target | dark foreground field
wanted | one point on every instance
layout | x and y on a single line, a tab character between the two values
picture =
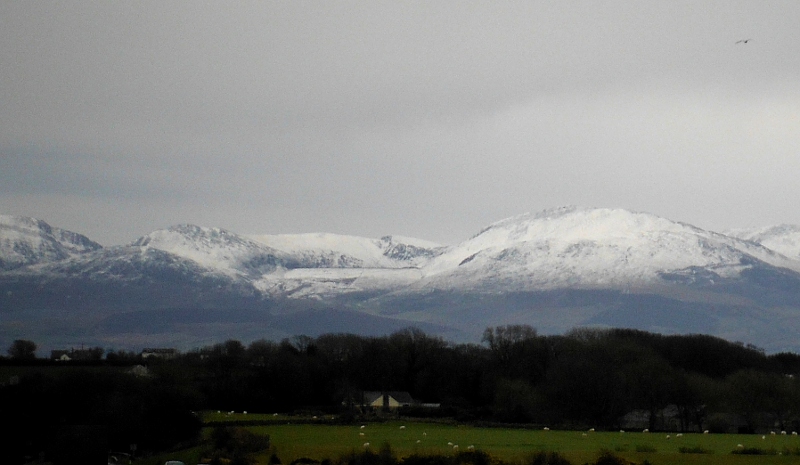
292	441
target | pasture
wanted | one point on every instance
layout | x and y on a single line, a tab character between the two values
319	441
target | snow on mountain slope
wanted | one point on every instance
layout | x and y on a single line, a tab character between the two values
588	247
121	278
26	241
784	238
323	250
215	248
330	265
298	266
122	264
320	283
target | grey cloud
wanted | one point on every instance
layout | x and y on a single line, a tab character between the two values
428	119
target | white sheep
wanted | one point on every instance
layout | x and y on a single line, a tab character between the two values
546	428
471	448
402	427
366	445
705	432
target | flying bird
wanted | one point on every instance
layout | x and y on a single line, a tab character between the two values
743	41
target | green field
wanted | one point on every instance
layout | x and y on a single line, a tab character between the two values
319	441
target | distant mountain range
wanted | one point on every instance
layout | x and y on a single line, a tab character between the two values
190	286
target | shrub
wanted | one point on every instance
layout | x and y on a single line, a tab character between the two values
608	458
694	450
474	457
546	458
754	451
234	445
304	461
238	440
417	459
385	456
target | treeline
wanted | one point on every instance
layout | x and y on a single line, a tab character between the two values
585	378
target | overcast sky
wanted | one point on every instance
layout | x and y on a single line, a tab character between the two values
425	119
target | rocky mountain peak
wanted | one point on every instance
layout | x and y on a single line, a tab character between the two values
26	241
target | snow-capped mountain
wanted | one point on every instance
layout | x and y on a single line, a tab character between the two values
26	241
216	249
554	269
784	238
592	248
557	248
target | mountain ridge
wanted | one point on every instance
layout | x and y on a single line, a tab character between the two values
557	268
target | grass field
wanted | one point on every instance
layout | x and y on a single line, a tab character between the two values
292	441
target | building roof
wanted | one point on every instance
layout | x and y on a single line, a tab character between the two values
402	397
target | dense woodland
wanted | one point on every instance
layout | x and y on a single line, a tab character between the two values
585	378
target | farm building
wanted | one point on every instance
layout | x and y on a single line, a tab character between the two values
387	400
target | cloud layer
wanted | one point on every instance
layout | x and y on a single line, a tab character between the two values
418	118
